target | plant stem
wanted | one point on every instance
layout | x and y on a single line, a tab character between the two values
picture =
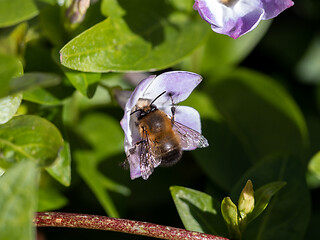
73	220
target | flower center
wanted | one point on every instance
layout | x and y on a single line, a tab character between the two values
229	3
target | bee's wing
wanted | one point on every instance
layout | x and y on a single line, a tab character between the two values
190	139
141	154
148	161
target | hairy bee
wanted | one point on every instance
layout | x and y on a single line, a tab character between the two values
163	139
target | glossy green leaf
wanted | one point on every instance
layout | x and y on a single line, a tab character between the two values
261	113
32	80
18	201
145	39
262	197
94	128
313	173
50	199
29	137
198	211
41	96
61	168
9	106
287	214
15	11
9	68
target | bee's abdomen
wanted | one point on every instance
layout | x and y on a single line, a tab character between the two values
171	154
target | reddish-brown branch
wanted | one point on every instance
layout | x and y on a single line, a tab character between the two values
73	220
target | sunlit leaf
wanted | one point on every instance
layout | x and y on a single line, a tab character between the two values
15	11
230	215
9	106
18	201
198	211
145	39
29	137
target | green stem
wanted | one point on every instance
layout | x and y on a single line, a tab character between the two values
73	220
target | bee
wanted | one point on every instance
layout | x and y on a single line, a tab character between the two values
162	138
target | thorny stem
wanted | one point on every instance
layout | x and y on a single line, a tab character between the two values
73	220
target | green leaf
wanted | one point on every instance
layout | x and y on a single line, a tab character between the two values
9	67
50	199
61	169
32	80
145	39
86	83
29	137
15	11
198	211
18	201
230	214
106	140
111	8
9	106
41	96
287	214
262	197
313	173
261	113
308	67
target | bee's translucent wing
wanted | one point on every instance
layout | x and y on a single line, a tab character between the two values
190	139
144	157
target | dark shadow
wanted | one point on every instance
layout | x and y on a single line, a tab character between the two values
146	18
211	223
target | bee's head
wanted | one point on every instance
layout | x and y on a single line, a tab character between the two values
145	106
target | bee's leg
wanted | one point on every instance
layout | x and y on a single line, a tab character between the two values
173	109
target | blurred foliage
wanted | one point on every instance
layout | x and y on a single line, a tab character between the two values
61	144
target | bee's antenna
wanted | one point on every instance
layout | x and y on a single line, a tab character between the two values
135	111
157	97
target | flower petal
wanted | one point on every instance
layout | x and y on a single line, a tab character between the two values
242	25
273	8
179	83
134	163
187	116
234	20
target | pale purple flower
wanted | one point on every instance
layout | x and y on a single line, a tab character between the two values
238	17
177	86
